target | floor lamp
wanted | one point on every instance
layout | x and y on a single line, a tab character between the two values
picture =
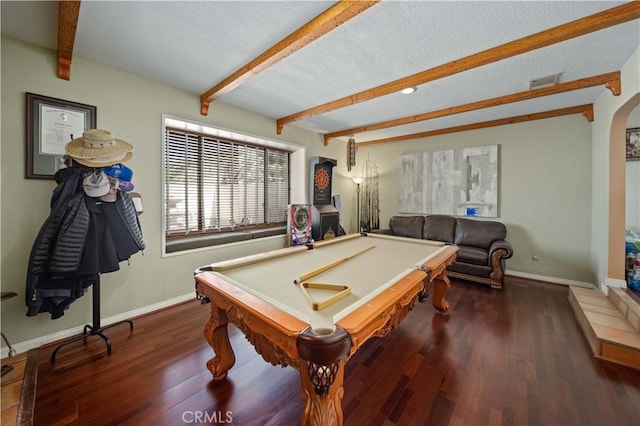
358	181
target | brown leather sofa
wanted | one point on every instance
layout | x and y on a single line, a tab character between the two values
482	247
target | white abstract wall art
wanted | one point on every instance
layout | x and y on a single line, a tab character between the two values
457	182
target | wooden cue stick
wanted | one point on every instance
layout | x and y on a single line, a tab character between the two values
329	266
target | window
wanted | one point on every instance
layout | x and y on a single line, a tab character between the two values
221	186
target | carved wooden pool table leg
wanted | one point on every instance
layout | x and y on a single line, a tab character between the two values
322	407
215	331
440	287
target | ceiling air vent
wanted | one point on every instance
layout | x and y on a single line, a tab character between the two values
549	80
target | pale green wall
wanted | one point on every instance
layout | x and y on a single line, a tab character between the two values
130	107
544	189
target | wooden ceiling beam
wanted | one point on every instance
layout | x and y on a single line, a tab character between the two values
68	12
330	19
612	78
605	19
586	110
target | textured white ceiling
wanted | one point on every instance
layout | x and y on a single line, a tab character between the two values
194	45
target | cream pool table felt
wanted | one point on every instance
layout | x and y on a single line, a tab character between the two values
258	294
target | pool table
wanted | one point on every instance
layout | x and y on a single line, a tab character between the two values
262	295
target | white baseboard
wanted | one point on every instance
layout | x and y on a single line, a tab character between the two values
64	334
545	278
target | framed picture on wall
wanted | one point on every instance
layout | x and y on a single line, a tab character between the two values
51	123
633	144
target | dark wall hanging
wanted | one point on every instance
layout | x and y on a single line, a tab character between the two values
633	144
51	123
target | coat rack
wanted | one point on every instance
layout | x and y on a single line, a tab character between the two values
95	329
92	161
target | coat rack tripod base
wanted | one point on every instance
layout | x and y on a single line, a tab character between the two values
95	329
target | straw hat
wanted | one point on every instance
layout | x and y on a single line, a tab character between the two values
97	148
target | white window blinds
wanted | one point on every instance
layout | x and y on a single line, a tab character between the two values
214	185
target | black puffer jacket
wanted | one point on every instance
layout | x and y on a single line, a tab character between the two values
65	258
128	213
69	182
58	247
59	244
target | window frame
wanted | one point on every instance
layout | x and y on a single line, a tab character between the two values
200	240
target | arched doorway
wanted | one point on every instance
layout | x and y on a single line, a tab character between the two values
617	206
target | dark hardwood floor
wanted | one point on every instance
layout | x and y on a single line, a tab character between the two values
511	357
